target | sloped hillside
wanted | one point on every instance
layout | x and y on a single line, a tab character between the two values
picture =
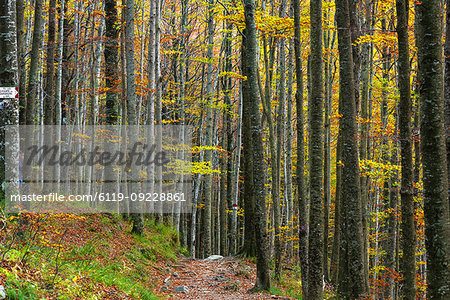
95	257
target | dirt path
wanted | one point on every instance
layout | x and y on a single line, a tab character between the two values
225	278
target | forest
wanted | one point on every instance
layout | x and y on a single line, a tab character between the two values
315	135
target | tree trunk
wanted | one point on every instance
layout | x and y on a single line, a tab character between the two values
33	77
436	206
49	100
300	175
328	87
9	108
135	207
315	250
229	134
158	106
249	194
364	135
288	152
226	184
277	159
251	102
20	15
111	54
447	86
209	132
408	262
351	283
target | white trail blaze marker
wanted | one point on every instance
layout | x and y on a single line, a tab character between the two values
9	92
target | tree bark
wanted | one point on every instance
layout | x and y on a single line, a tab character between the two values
435	182
408	262
251	100
49	99
351	282
364	134
315	250
111	53
447	87
209	132
249	194
9	76
20	15
276	172
328	99
300	175
33	77
135	207
288	152
229	134
158	106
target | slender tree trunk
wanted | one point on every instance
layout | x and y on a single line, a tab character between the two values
435	182
184	72
249	194
277	159
135	207
9	108
229	134
20	16
328	88
49	100
351	283
408	262
58	87
315	250
151	92
300	175
236	171
111	54
251	102
364	135
209	132
226	158
447	86
158	106
288	156
34	64
33	76
275	187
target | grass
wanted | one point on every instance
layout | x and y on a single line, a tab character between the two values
19	289
289	284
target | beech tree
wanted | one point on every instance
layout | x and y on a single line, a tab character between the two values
9	76
209	130
351	284
300	175
315	250
435	182
34	65
408	262
136	215
256	157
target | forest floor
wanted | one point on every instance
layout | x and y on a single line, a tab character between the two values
61	256
224	278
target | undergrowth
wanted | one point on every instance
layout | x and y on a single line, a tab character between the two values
83	257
